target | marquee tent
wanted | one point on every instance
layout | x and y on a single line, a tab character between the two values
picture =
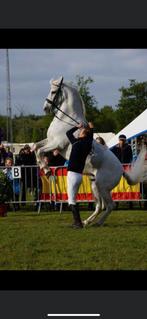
136	128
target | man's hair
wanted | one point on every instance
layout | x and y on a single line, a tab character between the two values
101	140
86	130
122	137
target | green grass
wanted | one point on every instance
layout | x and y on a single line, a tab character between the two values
29	241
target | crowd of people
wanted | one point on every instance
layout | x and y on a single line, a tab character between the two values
26	159
4	153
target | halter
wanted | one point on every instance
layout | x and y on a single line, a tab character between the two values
54	105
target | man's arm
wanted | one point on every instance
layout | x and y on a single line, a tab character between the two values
71	136
91	126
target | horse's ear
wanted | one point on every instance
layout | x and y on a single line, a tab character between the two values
60	80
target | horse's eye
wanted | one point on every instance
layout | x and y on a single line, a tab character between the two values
53	92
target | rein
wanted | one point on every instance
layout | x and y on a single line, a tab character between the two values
58	108
63	120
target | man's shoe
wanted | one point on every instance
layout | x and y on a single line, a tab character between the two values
77	226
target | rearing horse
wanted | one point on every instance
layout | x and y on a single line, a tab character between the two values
103	166
67	99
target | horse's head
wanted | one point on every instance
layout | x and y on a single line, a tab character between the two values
55	95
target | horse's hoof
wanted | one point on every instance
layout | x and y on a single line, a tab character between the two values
84	223
34	148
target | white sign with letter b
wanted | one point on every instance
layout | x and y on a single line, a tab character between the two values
16	172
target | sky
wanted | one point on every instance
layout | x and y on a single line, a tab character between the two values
32	69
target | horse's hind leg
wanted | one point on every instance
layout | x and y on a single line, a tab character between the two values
97	211
106	195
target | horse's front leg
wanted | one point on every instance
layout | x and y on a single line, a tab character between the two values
39	144
38	151
98	206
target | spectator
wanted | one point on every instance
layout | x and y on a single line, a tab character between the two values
124	153
18	158
29	175
3	155
123	150
100	140
9	153
14	182
46	161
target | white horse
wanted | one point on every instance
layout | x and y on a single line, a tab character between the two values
103	166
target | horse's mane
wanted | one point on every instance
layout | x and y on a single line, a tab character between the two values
72	86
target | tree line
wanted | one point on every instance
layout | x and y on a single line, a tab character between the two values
132	102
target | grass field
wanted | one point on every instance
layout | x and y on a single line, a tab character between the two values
30	241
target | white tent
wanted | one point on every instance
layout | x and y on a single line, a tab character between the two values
106	136
135	128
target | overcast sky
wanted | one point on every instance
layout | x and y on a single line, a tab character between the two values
32	69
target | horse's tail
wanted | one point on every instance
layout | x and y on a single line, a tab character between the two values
138	172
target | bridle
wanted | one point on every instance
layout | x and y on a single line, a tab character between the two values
54	105
55	99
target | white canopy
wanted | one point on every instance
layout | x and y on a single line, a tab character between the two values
135	128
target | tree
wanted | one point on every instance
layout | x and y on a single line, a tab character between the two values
104	119
107	119
91	105
3	125
84	90
133	102
30	128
